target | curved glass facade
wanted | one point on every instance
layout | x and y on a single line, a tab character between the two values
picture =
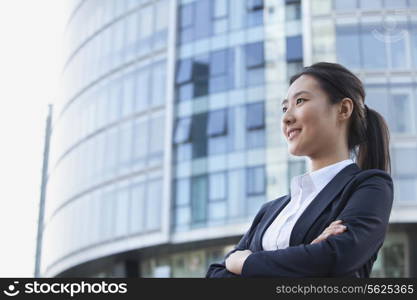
106	169
166	139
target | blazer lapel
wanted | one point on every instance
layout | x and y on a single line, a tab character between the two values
271	214
316	207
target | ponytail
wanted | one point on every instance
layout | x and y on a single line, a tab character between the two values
374	150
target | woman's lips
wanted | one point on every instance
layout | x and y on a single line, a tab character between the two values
294	134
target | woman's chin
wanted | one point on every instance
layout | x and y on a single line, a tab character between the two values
294	151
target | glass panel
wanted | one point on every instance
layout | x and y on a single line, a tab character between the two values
217	123
218	62
255	180
220	8
186	15
153	205
254	55
397	44
294	48
395	3
199	135
182	196
373	49
122	210
217	210
405	163
158	83
199	199
143	90
202	19
183	130
347	46
402	118
344	5
137	209
184	70
217	186
157	136
370	4
255	117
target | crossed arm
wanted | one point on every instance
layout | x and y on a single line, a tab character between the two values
335	252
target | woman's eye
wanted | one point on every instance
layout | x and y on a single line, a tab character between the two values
284	109
299	99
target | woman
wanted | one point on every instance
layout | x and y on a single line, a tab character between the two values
335	219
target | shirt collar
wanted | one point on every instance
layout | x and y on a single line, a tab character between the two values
318	179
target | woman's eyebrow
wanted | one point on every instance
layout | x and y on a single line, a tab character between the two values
295	95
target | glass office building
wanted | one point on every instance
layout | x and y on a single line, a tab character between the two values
166	138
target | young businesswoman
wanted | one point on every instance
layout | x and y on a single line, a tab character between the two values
334	221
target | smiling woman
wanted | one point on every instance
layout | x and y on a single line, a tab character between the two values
335	219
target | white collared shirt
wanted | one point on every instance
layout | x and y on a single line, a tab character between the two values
304	188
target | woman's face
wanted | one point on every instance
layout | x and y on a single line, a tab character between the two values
308	109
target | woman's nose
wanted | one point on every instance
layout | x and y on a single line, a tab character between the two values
287	117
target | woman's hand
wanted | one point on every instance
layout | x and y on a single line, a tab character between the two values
234	263
334	228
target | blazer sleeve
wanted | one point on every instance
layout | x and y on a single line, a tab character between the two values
366	216
218	270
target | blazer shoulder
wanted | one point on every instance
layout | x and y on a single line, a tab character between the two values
373	175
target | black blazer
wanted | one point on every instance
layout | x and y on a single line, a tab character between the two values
361	198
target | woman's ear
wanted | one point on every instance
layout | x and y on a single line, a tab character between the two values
345	108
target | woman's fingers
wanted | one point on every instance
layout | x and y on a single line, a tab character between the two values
333	229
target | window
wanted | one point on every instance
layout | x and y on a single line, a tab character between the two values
182	209
161	23
183	131
184	80
397	44
402	113
218	71
121	212
255	62
343	5
203	19
347	46
199	135
201	75
254	55
140	143
158	83
153	205
292	10
255	123
395	3
199	200
156	138
217	197
255	118
220	16
145	29
255	181
405	172
142	89
186	23
373	49
370	4
217	123
217	187
137	208
254	12
294	48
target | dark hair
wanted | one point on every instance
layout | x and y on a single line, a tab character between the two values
368	135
